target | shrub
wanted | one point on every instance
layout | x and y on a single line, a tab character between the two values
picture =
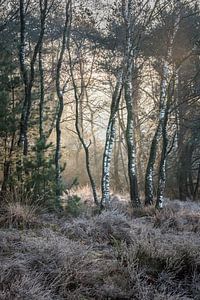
107	227
182	220
18	215
74	206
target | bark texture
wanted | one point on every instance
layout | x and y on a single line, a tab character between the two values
130	57
110	137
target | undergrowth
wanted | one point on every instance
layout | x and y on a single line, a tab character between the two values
112	255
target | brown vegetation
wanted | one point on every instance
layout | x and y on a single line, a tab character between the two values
111	255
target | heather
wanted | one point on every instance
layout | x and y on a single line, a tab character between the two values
115	254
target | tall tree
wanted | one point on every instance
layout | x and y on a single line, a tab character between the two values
110	137
78	96
59	90
29	76
136	19
165	84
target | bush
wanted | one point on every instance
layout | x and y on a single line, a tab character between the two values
107	227
74	206
182	220
18	214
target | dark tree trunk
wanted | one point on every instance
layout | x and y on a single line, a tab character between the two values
28	79
7	166
85	146
41	105
22	58
65	40
197	184
79	129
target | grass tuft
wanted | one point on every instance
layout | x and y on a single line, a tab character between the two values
18	215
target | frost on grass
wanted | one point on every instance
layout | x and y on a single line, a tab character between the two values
106	256
102	228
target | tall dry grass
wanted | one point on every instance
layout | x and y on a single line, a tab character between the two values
113	255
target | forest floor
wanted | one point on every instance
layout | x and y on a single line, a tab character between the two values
113	255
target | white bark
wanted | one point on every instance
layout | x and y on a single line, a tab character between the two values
167	75
110	137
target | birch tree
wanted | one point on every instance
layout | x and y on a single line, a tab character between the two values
128	90
178	7
110	137
136	20
166	76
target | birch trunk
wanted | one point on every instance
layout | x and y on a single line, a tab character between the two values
154	144
162	167
116	165
130	57
169	96
131	147
110	136
161	131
